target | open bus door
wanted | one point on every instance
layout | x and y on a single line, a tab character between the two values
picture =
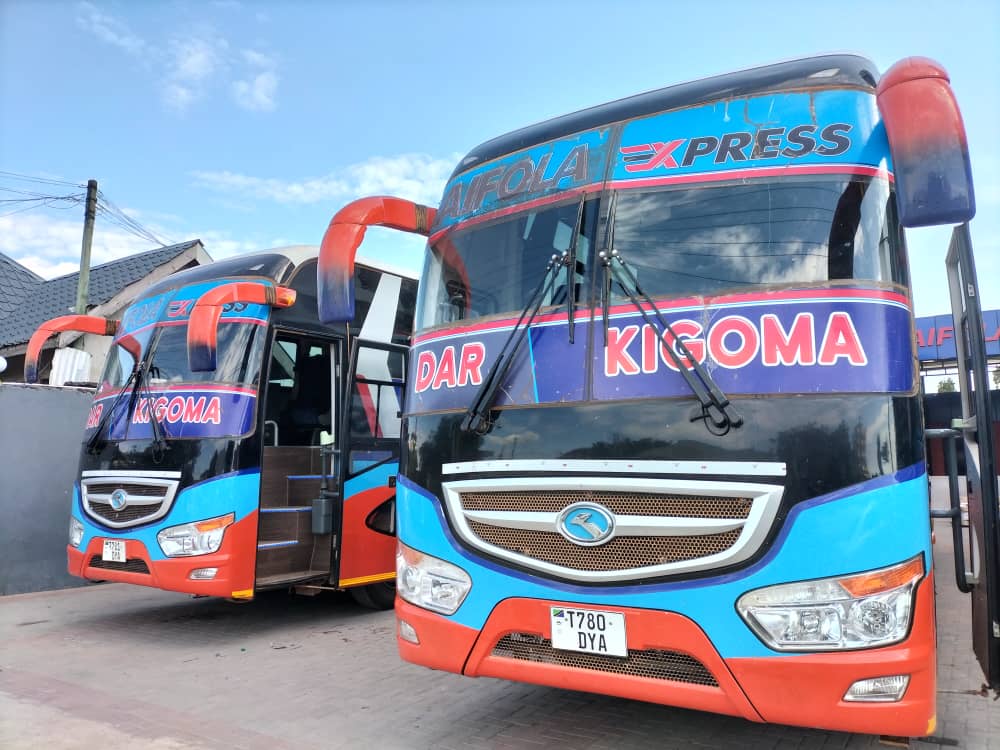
370	452
982	578
299	460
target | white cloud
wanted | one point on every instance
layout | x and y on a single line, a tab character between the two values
51	247
417	177
257	94
109	29
189	67
258	59
193	63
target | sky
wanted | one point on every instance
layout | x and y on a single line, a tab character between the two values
249	124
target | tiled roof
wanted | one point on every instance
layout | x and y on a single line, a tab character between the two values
15	283
27	300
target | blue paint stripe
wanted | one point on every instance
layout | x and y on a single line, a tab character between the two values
289	509
277	545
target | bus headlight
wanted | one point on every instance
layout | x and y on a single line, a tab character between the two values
859	611
429	582
198	538
75	532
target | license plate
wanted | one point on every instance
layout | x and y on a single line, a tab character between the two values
589	630
114	550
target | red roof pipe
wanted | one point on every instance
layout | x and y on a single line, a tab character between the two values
80	323
203	325
335	270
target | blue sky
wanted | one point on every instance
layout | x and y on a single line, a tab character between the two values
249	124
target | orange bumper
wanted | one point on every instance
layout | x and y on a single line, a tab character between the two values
235	562
803	690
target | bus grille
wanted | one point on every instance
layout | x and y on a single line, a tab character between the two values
132	565
146	499
620	553
634	503
654	527
653	663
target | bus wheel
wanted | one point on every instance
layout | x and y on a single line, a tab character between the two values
376	596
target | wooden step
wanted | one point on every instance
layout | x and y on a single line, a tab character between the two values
276	558
276	524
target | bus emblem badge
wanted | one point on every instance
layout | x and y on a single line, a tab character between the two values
586	524
119	499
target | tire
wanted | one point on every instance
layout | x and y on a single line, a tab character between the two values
379	596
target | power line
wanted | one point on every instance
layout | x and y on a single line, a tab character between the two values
114	214
29	199
40	201
41	180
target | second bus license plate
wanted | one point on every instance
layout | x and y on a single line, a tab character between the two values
114	550
589	630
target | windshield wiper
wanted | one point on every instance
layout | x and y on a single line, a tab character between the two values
478	417
159	440
716	410
96	440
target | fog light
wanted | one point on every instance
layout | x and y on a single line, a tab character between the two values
203	574
407	633
879	689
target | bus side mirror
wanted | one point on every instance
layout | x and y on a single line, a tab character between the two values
203	325
930	153
81	323
335	269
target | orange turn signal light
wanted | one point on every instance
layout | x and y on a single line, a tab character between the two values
866	584
215	523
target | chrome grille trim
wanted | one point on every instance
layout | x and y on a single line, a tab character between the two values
750	531
717	468
150	497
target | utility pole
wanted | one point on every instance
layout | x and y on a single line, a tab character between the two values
89	214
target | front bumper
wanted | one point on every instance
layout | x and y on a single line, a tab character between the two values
797	689
234	560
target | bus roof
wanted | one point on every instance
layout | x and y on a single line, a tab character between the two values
822	71
278	264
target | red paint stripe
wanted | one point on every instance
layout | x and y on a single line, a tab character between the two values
194	391
731	174
364	391
666	305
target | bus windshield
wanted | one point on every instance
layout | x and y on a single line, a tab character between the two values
680	242
239	357
493	268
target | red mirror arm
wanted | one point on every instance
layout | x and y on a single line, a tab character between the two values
203	325
80	323
335	271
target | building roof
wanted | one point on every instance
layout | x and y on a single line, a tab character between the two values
15	283
27	300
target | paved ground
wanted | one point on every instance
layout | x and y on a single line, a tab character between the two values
117	666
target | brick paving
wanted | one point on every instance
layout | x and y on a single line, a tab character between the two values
117	666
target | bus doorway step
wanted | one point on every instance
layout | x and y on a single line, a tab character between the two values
288	579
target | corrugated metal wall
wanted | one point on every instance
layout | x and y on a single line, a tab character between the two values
41	429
